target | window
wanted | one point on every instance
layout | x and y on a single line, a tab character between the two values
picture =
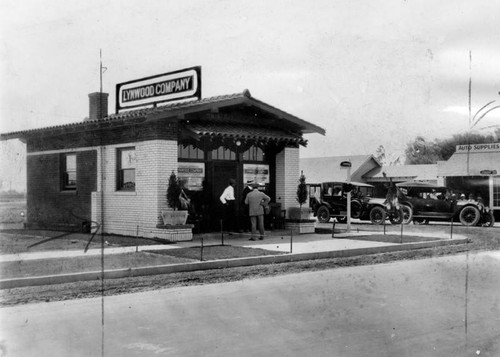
189	152
223	154
69	172
254	153
126	169
496	191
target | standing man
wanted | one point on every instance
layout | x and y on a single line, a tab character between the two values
256	200
246	219
227	199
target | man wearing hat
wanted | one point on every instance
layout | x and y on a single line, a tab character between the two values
246	219
256	200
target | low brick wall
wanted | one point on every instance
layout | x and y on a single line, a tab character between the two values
171	233
306	226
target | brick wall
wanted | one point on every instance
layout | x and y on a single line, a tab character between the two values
287	177
49	205
127	211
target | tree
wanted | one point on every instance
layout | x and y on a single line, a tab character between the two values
302	190
173	191
380	154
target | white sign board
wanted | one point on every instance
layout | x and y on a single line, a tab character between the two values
257	173
493	147
192	174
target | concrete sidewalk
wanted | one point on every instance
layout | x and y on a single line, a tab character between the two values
298	247
280	241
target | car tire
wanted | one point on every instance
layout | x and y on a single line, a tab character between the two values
489	220
355	209
407	214
323	214
397	216
377	215
469	216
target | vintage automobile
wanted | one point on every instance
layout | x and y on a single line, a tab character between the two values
431	202
329	200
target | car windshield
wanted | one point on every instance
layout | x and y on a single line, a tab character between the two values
425	193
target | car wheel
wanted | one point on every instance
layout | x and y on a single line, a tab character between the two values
397	216
469	216
420	221
377	215
355	209
341	219
323	214
488	220
407	214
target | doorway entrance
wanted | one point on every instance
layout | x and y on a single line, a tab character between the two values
219	176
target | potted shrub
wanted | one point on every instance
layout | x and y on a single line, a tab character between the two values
177	215
299	216
300	213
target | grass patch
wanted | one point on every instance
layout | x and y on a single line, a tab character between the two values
215	252
19	240
10	211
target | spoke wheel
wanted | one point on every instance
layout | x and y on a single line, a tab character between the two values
407	214
355	209
323	214
377	215
469	216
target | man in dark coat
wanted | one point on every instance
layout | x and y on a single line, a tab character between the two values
246	218
256	200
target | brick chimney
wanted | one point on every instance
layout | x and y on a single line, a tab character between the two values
98	105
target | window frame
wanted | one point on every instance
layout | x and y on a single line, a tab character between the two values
120	171
65	186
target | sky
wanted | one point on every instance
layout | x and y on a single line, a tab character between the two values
374	72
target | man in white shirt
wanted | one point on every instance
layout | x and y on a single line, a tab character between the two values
227	198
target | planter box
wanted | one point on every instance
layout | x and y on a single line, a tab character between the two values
300	225
296	213
174	218
171	233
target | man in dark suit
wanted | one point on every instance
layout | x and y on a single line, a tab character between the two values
256	201
246	218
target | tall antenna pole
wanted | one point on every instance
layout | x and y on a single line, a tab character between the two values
470	109
100	71
102	202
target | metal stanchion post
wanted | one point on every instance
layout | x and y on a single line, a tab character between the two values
333	228
221	233
137	239
291	240
451	228
384	226
401	232
201	251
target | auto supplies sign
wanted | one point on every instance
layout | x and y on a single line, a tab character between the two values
492	147
182	84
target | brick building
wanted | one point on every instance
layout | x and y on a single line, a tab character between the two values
114	169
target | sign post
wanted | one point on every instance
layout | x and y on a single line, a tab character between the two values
347	164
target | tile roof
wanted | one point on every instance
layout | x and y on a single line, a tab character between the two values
176	109
243	131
